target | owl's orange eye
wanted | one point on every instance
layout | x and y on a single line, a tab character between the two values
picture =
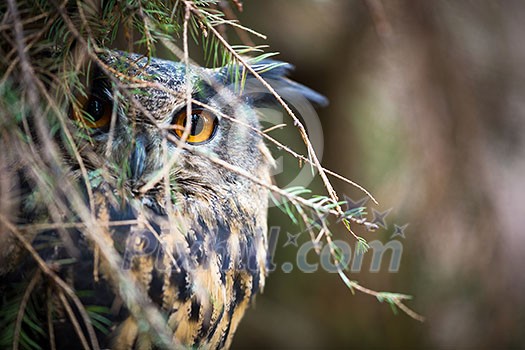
95	112
203	125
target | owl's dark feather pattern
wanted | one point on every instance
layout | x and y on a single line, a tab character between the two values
201	255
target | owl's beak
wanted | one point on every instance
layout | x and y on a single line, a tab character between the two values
137	159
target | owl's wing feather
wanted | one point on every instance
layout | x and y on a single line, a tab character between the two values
275	72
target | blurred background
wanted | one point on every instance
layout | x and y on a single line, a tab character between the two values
427	111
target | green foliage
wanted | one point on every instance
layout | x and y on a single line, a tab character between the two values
98	319
32	331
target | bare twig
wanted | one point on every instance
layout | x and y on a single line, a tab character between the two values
242	34
73	319
51	331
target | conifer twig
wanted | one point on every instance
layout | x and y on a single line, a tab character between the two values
22	308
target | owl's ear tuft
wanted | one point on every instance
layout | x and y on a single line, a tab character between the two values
276	74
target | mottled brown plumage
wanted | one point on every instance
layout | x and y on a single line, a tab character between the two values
196	241
209	258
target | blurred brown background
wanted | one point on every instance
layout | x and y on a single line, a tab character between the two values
427	112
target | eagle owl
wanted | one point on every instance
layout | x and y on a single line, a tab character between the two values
178	192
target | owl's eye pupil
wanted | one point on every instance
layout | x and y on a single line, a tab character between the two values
95	109
93	112
197	124
202	128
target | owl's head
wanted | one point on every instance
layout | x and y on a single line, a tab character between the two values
142	130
